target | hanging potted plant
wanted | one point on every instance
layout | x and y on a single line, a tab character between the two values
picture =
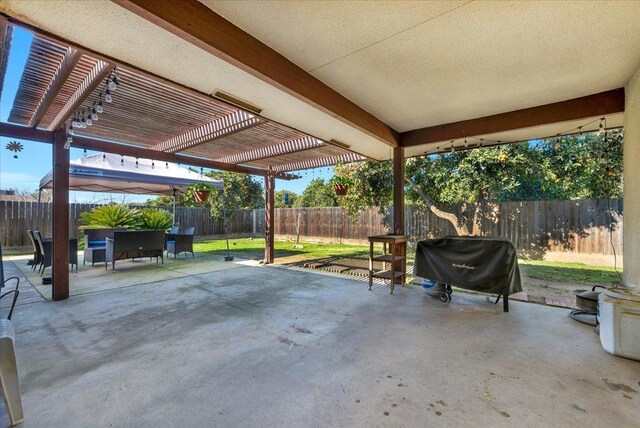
201	192
340	185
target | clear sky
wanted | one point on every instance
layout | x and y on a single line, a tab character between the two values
34	161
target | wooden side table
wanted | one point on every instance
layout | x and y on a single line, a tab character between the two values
394	252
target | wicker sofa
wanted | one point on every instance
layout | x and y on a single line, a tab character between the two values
134	244
95	244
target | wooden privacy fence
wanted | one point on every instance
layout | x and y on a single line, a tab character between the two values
17	217
580	226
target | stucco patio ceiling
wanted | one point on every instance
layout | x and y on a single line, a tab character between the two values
410	64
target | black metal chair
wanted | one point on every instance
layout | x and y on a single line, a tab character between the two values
3	283
46	246
181	243
45	258
37	253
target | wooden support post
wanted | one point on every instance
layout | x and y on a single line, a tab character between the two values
398	191
399	249
269	219
60	259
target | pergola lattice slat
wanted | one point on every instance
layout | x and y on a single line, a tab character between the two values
65	69
98	73
319	162
227	125
293	146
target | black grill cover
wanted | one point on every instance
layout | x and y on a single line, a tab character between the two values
487	265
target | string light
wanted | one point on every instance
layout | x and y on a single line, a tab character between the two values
121	160
136	162
94	113
84	153
85	117
153	165
104	157
166	165
577	130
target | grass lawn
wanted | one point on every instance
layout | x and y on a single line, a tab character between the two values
283	248
539	269
568	272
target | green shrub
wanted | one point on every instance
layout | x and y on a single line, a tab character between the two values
153	218
112	216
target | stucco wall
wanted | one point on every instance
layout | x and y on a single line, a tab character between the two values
632	182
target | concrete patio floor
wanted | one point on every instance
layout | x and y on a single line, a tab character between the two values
239	345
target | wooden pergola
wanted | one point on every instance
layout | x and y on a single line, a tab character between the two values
149	117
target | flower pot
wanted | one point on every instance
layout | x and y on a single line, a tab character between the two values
340	189
201	195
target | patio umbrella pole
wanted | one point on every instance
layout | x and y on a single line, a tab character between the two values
228	257
174	206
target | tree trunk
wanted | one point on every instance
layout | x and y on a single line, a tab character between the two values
461	229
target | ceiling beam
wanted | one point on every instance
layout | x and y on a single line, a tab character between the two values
600	104
285	148
126	150
22	132
92	80
69	62
222	127
199	25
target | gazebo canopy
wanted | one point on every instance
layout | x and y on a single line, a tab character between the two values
111	173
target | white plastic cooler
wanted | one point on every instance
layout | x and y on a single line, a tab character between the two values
619	317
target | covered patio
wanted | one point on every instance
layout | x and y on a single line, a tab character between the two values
215	85
274	346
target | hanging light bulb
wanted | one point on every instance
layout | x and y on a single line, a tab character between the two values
94	114
467	144
70	130
601	127
84	153
166	165
104	157
153	165
100	107
67	143
136	162
107	96
121	160
89	121
83	123
113	84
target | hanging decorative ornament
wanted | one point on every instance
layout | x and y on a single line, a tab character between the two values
15	147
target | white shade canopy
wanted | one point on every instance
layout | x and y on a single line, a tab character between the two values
110	173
